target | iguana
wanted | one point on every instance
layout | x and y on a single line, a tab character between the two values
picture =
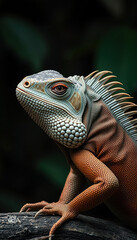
91	120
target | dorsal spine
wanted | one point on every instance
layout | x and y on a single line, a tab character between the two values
116	101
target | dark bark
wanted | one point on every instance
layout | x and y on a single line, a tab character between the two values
24	226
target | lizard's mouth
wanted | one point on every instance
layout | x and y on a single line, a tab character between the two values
29	94
20	93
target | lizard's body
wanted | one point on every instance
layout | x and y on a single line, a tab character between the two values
114	147
97	136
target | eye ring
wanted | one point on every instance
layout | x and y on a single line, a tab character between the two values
26	84
59	89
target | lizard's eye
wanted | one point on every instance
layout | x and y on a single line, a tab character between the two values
26	84
59	88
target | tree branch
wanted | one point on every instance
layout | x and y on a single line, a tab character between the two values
24	226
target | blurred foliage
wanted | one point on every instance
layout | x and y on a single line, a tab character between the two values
55	168
116	7
117	51
9	201
25	40
71	37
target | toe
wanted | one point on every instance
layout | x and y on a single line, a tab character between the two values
25	207
45	211
39	212
33	206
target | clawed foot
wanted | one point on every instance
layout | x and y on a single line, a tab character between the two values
51	209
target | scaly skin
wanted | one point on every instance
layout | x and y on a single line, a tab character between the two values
106	158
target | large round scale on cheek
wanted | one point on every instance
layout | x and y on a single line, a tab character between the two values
69	132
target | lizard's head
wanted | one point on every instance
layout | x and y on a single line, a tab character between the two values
56	104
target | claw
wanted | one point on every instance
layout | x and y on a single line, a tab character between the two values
21	210
50	236
44	237
47	237
39	212
24	208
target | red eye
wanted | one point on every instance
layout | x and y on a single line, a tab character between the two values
59	88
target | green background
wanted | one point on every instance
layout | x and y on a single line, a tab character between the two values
72	37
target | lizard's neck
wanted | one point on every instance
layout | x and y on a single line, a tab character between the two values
91	114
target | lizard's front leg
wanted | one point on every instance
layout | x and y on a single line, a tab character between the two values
104	184
73	186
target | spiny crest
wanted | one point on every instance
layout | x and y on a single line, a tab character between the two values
115	98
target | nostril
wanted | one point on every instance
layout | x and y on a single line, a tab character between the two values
26	84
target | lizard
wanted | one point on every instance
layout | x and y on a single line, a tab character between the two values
91	120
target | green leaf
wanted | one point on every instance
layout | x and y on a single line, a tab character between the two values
25	40
117	52
55	168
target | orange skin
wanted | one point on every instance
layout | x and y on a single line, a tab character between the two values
108	160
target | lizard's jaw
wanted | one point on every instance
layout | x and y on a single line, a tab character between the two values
57	123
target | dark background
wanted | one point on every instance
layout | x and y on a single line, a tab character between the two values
72	37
